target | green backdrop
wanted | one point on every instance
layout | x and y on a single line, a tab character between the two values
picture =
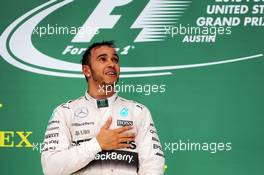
213	90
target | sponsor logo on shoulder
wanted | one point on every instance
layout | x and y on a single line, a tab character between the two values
139	106
155	139
156	146
159	154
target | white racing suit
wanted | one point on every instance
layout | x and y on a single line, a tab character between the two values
70	146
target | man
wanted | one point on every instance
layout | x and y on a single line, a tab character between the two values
101	133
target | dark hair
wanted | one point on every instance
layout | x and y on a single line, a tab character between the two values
86	58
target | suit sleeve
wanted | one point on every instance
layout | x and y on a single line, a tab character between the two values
151	157
59	156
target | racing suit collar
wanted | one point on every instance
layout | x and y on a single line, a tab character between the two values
102	102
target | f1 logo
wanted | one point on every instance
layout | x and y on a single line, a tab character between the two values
100	18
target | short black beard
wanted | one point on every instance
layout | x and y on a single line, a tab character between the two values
97	80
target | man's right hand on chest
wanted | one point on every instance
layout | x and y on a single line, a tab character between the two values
116	138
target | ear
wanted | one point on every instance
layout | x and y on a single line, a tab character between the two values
86	70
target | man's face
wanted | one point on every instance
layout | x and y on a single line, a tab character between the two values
104	67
